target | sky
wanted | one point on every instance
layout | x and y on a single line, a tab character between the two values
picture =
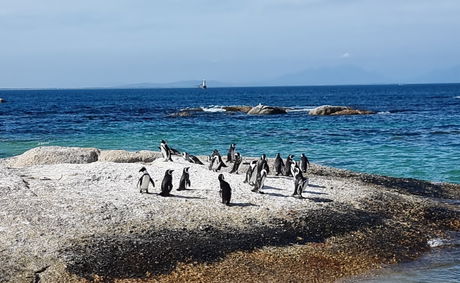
97	43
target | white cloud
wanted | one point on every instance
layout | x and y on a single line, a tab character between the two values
346	55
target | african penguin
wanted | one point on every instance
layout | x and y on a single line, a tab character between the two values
304	163
260	181
144	181
300	183
250	173
288	165
262	164
166	184
165	151
278	165
236	165
231	153
184	180
225	190
191	158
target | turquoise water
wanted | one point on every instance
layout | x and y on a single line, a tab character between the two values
416	132
440	265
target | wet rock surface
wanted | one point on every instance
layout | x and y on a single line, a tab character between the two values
337	110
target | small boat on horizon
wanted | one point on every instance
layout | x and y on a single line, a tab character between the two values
203	85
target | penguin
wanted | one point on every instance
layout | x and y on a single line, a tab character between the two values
262	164
184	180
250	172
225	190
191	158
217	163
174	151
287	165
165	151
214	153
236	165
144	181
300	183
278	166
304	163
259	184
294	165
231	153
166	185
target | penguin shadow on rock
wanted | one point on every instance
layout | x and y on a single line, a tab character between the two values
242	204
316	199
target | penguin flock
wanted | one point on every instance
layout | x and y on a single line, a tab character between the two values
255	176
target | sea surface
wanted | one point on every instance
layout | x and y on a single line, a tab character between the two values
415	133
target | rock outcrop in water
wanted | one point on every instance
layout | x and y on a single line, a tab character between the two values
2	100
266	110
238	108
77	222
257	110
338	110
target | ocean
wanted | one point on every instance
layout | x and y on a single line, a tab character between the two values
415	133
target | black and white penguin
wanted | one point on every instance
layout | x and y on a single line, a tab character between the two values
259	184
237	164
217	163
251	174
165	151
288	165
278	165
174	151
304	163
166	184
300	183
262	164
225	190
191	158
294	165
231	153
184	180
144	181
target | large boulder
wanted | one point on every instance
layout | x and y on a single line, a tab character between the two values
266	110
337	110
123	156
238	108
55	155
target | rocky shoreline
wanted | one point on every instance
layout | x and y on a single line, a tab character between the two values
83	220
324	110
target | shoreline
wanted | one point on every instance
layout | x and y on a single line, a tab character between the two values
86	222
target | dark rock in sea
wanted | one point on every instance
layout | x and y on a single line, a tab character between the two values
2	100
266	110
181	114
338	110
195	109
238	108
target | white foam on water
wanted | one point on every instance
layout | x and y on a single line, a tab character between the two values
458	96
300	108
384	112
213	108
436	242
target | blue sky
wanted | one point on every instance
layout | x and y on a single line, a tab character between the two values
56	43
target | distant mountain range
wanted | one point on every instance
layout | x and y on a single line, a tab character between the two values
336	75
177	84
